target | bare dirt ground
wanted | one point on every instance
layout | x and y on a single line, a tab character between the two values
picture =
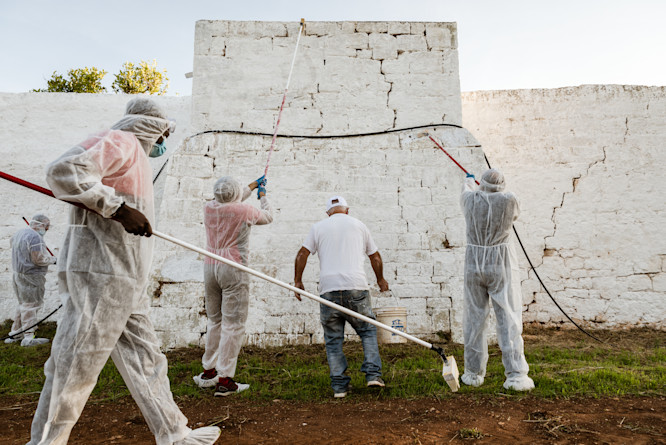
465	419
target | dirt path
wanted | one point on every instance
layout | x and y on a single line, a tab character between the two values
626	420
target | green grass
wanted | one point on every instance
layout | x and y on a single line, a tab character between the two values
562	364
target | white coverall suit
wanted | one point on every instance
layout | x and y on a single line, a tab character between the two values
492	274
103	273
30	261
227	290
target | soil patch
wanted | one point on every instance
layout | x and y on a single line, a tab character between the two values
464	419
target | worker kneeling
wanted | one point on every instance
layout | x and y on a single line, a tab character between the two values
227	289
491	272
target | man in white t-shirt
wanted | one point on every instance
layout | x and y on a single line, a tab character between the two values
342	242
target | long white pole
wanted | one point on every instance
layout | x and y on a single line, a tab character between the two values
284	96
292	288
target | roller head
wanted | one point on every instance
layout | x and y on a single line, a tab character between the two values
450	369
450	373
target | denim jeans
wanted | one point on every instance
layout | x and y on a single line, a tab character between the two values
333	322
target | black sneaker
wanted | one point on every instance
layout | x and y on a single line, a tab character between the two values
226	386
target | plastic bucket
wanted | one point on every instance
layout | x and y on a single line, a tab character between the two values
396	317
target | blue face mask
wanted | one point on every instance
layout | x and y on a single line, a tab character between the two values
41	232
158	150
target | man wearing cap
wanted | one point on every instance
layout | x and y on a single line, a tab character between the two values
342	242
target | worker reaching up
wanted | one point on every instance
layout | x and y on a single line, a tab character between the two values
492	275
228	221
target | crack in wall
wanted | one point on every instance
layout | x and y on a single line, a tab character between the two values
551	252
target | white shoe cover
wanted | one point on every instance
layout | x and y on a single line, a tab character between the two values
521	383
204	383
12	340
201	436
34	341
470	379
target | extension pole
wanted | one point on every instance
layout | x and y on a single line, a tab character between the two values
245	269
284	96
47	247
521	245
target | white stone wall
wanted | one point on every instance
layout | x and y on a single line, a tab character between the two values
349	77
35	128
587	164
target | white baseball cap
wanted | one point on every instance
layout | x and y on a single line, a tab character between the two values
335	201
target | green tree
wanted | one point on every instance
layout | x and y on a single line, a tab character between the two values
78	80
143	78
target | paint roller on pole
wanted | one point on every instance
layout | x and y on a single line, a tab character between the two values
449	370
284	97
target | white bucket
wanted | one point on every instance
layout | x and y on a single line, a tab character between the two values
396	317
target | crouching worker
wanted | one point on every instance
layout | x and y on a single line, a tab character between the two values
227	290
342	243
30	261
492	275
104	266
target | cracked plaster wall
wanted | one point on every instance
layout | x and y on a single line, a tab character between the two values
349	77
587	164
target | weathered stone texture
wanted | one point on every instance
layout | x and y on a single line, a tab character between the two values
586	163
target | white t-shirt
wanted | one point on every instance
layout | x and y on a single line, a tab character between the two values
342	243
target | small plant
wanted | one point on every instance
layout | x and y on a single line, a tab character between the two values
470	433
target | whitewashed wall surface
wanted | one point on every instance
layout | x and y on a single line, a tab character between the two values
587	164
36	128
349	78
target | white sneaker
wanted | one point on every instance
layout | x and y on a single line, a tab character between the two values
203	382
34	341
471	379
201	436
520	383
341	394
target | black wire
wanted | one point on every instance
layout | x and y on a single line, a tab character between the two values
539	278
30	327
321	136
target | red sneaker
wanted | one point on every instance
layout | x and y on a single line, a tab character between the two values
226	386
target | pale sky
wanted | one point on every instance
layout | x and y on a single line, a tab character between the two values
504	44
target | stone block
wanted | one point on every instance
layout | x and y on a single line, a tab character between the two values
371	27
438	37
409	43
384	46
397	28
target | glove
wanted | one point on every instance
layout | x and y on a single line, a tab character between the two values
261	189
261	182
469	175
132	220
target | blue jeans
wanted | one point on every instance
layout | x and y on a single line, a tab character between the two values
333	322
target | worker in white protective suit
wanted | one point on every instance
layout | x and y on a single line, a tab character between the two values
30	262
227	290
491	274
103	272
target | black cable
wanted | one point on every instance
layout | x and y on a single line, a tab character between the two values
30	327
539	278
321	136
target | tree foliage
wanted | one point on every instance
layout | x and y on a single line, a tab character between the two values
144	78
78	80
